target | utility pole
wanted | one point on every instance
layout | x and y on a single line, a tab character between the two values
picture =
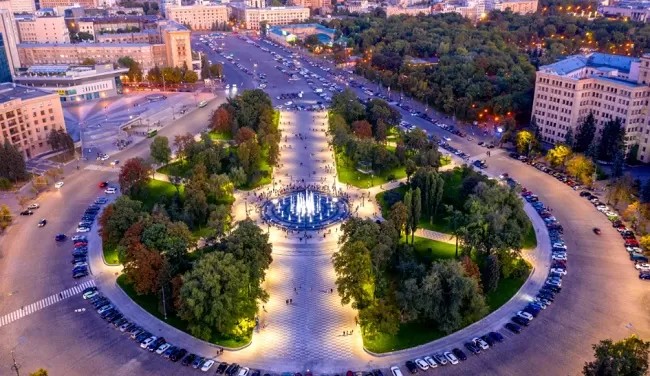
15	367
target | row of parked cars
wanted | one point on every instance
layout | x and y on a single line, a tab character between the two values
630	242
159	345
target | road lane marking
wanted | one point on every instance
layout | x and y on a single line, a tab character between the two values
44	303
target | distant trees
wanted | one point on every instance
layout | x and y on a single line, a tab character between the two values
135	71
626	357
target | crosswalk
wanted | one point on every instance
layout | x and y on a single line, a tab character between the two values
43	303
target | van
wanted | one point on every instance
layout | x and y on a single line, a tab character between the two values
203	104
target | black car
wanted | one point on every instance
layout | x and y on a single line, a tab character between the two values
233	369
644	275
156	344
377	372
513	328
410	365
519	320
489	340
472	348
459	354
26	212
89	289
80	274
60	237
221	368
177	355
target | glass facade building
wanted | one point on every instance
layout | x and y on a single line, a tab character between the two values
5	72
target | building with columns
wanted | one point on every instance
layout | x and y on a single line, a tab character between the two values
608	86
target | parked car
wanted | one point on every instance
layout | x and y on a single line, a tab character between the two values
451	357
410	365
459	354
513	328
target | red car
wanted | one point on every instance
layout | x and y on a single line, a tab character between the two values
631	243
103	184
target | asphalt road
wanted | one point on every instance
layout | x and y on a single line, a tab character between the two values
602	296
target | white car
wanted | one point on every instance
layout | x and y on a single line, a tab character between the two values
642	267
525	315
207	365
90	294
243	371
422	364
58	184
480	343
451	357
559	257
110	190
431	362
83	229
80	264
396	371
163	348
33	206
559	271
147	342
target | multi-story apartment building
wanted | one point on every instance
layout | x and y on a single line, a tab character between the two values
516	6
174	51
5	70
312	4
69	3
9	37
255	12
199	17
27	116
608	86
48	29
22	6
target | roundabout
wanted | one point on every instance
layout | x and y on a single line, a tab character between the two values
305	210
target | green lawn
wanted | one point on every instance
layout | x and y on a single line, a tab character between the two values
110	254
433	249
348	174
409	335
177	168
150	304
157	191
530	239
217	136
506	289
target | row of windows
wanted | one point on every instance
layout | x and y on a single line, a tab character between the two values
558	83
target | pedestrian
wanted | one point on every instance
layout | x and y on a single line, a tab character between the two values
290	301
286	302
331	291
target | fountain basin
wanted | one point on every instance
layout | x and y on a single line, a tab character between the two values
305	210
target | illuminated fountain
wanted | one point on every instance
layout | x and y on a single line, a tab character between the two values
305	210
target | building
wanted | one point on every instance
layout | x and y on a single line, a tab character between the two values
312	4
516	6
255	12
609	86
22	6
70	3
9	38
27	116
96	26
409	11
638	11
147	55
5	69
74	83
294	32
147	36
47	29
174	51
199	17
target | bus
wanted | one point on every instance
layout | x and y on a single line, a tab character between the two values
152	133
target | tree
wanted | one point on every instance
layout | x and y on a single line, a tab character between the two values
248	243
60	140
585	134
118	217
568	138
134	176
410	167
141	264
348	106
398	216
135	72
524	141
5	217
471	270
362	129
196	207
160	150
558	155
379	317
39	372
626	357
13	165
611	140
415	212
214	297
456	218
190	76
582	168
237	176
491	273
354	278
220	220
88	61
222	121
154	75
645	192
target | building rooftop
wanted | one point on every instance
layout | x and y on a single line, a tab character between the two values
620	81
10	91
594	60
117	19
53	45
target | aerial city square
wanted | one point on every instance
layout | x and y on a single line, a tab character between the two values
340	188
